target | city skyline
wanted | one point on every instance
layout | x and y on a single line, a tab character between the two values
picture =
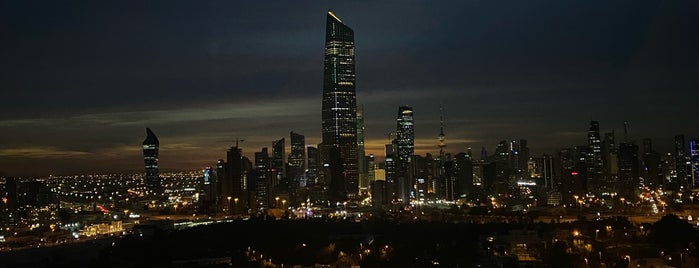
73	106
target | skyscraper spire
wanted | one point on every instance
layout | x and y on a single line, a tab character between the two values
442	142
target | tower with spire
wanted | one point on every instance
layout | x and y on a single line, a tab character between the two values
442	141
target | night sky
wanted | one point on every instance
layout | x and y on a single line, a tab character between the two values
81	80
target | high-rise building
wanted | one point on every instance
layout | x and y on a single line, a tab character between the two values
652	166
221	176
234	182
681	160
277	162
313	165
363	171
629	170
339	107
297	156
296	174
151	151
547	172
694	161
261	187
405	149
594	163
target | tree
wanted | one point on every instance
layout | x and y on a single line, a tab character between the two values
672	233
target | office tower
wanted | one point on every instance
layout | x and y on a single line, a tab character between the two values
313	165
296	172
463	170
262	180
362	161
277	162
547	172
380	195
502	153
390	176
681	160
450	192
609	155
694	161
297	156
594	142
572	172
339	108
594	163
628	170
424	174
221	176
209	187
151	147
652	173
234	183
405	149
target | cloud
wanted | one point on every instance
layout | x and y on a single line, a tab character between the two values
42	152
259	109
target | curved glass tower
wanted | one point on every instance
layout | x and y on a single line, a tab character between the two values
339	112
150	156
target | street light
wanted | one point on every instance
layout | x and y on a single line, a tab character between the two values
235	208
276	199
229	203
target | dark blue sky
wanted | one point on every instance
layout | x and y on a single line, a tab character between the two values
81	80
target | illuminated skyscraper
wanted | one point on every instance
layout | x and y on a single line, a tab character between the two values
339	108
694	161
151	150
405	149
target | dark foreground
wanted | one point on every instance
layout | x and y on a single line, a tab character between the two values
260	243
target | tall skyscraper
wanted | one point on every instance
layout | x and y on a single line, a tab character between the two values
151	149
405	149
339	107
